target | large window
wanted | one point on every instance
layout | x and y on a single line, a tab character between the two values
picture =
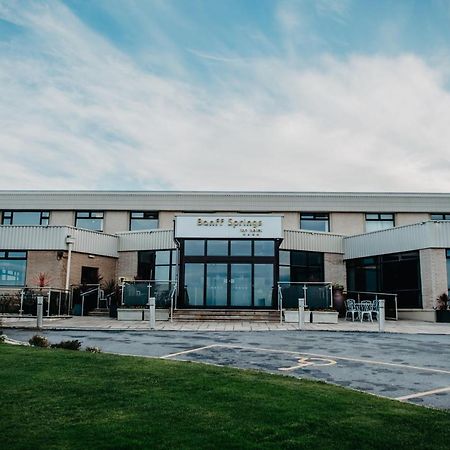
143	220
160	265
379	221
315	222
440	216
13	267
397	273
89	220
25	217
298	266
448	271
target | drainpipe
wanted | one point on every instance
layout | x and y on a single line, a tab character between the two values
69	241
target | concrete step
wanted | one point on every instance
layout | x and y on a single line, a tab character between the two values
226	315
99	312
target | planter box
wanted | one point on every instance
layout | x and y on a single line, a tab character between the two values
324	316
291	316
161	314
443	316
129	314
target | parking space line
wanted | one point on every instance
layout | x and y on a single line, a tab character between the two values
192	350
344	358
423	394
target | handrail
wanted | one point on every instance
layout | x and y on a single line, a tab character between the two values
280	303
172	298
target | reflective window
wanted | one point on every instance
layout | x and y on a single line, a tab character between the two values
448	271
12	268
440	216
241	285
241	248
163	257
194	248
263	283
25	217
301	266
89	220
143	220
379	221
314	222
160	265
216	284
194	280
264	248
217	248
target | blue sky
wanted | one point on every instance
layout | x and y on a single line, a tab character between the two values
250	94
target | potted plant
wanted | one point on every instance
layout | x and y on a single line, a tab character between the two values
338	298
325	315
442	311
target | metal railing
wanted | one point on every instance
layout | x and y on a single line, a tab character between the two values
391	310
23	301
294	290
83	295
137	293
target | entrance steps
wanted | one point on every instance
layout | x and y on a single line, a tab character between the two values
267	315
99	312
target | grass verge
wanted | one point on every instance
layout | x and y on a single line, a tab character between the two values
58	399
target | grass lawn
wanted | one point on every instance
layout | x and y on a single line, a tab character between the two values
61	399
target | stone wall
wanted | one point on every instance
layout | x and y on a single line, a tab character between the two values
335	269
433	272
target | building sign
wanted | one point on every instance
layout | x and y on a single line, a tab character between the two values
216	227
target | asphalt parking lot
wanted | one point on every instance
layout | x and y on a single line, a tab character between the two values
413	368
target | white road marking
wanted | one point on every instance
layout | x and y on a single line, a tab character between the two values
306	361
423	394
193	350
364	361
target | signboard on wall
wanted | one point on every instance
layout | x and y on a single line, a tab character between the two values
229	227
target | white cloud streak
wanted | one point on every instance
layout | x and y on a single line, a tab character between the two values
75	112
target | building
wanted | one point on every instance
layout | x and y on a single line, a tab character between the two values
231	249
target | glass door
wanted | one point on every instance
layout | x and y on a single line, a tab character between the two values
241	285
216	284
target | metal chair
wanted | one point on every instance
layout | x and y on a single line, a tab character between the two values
350	306
366	310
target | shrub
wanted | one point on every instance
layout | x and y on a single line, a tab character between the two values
442	302
39	341
2	338
68	345
93	349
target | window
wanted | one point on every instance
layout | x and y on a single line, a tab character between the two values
296	266
160	265
12	268
448	271
397	273
89	220
25	217
314	222
440	216
143	220
379	221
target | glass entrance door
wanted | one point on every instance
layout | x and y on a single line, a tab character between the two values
216	285
240	285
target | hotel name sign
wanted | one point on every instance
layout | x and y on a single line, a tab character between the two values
212	226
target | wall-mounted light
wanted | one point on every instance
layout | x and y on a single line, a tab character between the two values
91	256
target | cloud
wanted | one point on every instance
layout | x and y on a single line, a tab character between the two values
77	112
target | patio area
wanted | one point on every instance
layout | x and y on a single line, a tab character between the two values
106	323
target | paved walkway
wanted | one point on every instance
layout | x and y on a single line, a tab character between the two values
106	323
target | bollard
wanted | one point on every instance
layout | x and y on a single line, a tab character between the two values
381	316
152	313
301	313
40	308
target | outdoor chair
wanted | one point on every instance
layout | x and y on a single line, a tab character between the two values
365	310
350	306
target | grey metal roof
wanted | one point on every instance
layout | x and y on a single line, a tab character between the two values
204	201
431	234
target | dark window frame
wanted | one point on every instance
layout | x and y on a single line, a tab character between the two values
89	216
5	256
379	218
445	216
8	216
315	216
155	215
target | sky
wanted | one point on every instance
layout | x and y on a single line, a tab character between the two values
323	95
